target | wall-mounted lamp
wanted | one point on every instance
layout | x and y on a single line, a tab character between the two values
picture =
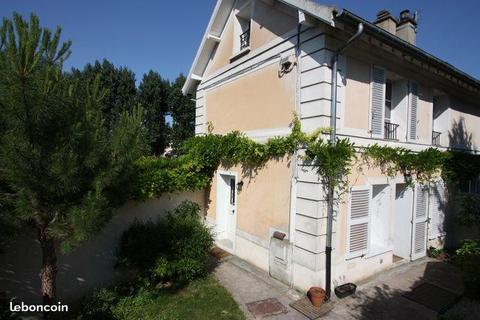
240	185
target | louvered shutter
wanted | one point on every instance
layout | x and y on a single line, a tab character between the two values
413	110
378	100
359	220
437	212
419	245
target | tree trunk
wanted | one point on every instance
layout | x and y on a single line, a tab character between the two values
48	272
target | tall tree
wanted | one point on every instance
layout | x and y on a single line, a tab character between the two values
119	84
182	109
64	169
153	94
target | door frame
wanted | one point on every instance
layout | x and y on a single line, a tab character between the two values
233	174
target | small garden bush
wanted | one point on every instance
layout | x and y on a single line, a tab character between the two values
175	248
468	258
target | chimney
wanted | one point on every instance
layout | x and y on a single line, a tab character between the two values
407	27
386	21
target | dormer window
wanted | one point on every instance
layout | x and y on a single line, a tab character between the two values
241	43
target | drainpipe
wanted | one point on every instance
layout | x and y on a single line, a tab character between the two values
333	139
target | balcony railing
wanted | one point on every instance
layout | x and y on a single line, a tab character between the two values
436	138
390	130
245	39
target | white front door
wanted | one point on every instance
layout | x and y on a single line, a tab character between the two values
226	210
402	229
420	223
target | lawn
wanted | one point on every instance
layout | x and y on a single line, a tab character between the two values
202	299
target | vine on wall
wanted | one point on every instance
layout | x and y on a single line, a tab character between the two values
202	155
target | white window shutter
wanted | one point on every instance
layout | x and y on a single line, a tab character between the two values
420	223
413	110
377	100
359	221
437	211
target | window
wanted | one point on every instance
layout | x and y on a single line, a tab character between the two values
232	191
241	36
470	186
369	220
388	101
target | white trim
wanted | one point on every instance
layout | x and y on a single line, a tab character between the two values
293	206
196	77
244	51
213	37
378	252
262	135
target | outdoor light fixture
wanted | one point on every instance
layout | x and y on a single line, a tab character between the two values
240	185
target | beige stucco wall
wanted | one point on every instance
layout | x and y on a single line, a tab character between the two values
263	202
259	100
357	94
270	20
221	56
464	126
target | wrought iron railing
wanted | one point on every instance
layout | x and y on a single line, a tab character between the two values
436	138
245	39
390	130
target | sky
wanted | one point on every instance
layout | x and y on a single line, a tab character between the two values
164	35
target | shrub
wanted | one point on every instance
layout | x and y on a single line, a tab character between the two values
468	257
173	248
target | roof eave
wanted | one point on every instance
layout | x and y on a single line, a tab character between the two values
347	16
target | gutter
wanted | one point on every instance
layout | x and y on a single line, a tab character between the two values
333	142
394	41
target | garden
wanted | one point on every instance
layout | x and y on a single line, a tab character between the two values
171	263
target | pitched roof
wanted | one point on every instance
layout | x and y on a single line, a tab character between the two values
326	14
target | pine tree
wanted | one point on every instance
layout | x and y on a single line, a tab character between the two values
182	109
119	84
153	94
63	168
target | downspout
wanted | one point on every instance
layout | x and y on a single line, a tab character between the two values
333	140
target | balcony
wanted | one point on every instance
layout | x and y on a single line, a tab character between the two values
390	130
436	138
245	39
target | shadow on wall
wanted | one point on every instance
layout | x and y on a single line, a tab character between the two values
385	299
459	137
88	267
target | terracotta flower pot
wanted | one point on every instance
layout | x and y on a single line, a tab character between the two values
316	296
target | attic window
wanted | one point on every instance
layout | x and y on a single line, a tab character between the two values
245	39
242	29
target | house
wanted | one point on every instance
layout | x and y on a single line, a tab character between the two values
261	61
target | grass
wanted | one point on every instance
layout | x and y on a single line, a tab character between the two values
202	299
